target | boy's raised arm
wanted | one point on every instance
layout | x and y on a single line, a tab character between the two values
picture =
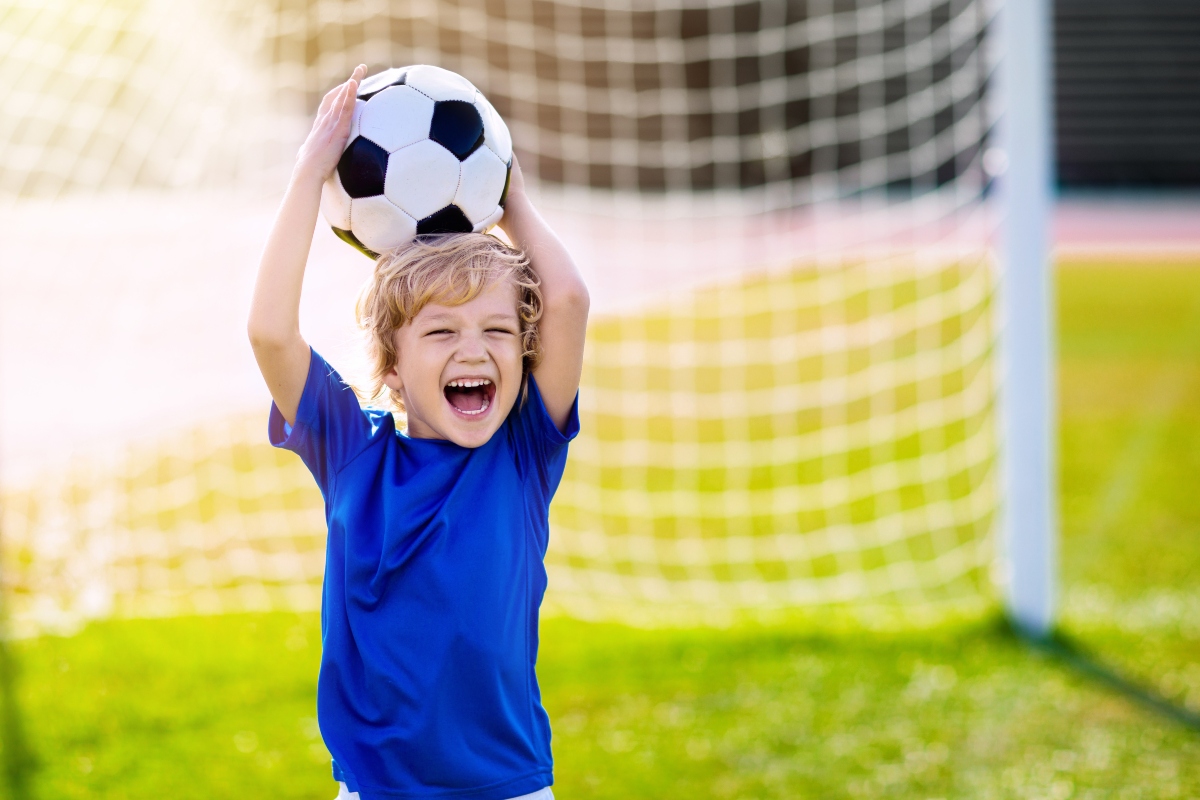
564	297
274	323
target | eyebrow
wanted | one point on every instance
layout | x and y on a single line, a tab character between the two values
450	316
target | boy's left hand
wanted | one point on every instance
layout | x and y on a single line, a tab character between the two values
565	300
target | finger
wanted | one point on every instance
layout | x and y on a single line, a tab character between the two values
355	81
330	107
346	92
347	109
332	98
328	99
336	118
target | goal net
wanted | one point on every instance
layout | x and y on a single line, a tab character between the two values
781	208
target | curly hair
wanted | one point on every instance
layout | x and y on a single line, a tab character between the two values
450	269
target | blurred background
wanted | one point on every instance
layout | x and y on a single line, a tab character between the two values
775	568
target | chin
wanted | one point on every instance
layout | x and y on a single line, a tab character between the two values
473	438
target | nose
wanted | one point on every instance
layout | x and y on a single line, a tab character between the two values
471	350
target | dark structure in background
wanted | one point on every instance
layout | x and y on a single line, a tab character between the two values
673	95
681	96
1128	93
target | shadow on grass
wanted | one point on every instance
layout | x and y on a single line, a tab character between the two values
18	760
1074	654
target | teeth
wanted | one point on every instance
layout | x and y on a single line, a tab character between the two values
469	384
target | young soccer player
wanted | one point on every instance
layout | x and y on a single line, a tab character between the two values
434	567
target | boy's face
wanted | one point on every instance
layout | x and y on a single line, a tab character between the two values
459	367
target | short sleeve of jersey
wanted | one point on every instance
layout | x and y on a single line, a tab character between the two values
331	428
541	446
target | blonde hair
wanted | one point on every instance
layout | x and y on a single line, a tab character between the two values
449	269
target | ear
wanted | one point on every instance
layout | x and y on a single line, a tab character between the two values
391	379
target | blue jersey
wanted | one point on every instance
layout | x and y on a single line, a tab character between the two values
433	579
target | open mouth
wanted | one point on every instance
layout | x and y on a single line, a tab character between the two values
471	397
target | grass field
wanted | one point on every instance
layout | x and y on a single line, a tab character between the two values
223	706
1130	400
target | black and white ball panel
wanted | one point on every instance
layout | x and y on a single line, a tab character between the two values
359	105
363	168
427	153
379	224
482	183
495	132
490	221
440	84
447	220
396	117
335	203
422	178
457	127
370	86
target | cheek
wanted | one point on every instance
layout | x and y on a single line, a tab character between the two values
512	356
421	371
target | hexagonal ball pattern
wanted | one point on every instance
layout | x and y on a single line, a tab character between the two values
482	183
447	220
362	168
422	178
397	117
379	225
457	127
440	84
373	84
492	219
335	203
495	132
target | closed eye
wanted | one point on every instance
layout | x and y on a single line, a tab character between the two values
438	331
501	330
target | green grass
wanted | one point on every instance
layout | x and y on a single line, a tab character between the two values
1130	400
224	706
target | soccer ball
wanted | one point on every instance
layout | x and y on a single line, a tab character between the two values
427	153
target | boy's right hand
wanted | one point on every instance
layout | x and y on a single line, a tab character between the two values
321	150
274	323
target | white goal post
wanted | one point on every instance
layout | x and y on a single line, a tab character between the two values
1027	320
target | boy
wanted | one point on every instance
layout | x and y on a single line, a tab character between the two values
434	571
